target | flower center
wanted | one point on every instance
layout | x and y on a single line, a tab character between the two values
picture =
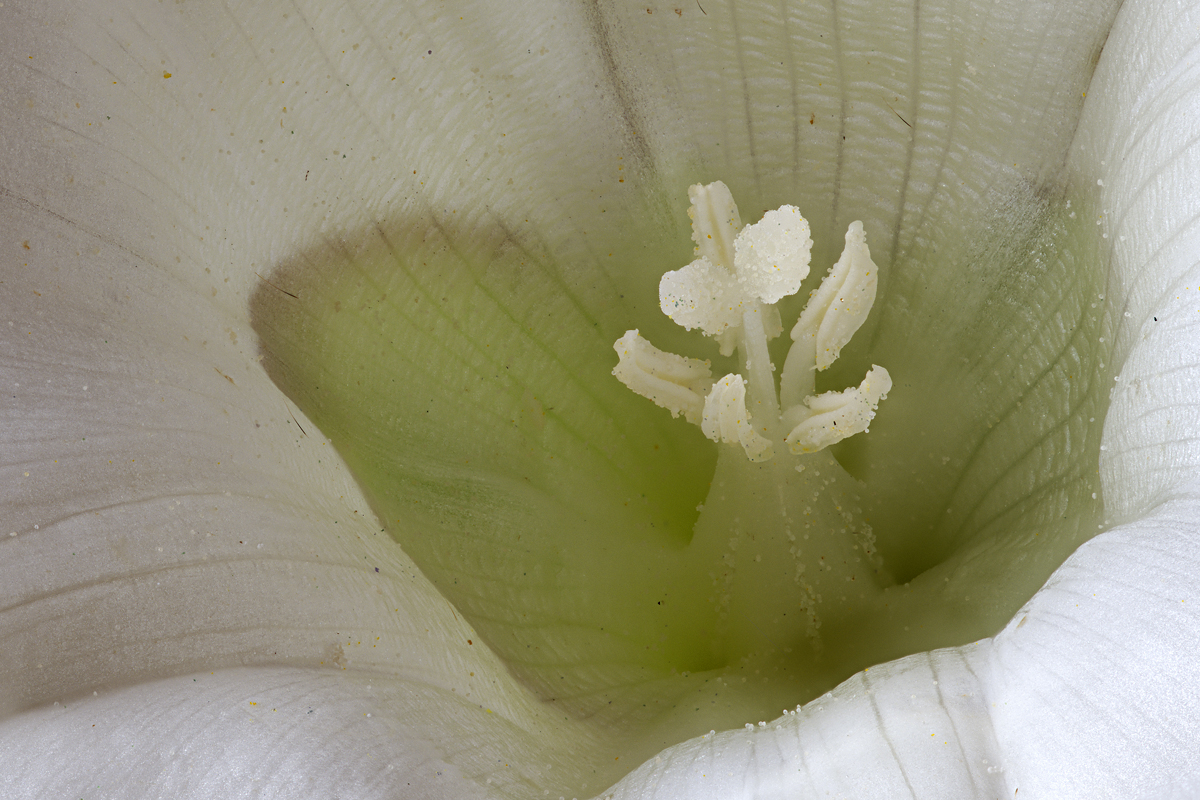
778	539
730	292
630	572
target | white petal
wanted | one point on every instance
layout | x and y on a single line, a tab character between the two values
911	728
173	511
1120	614
268	732
83	192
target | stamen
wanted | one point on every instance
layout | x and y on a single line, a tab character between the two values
715	223
838	309
726	420
673	382
836	415
729	291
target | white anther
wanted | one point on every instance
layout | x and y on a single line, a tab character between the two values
833	416
673	382
726	419
840	306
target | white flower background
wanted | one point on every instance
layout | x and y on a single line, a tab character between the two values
189	600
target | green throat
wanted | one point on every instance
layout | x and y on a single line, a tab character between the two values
661	577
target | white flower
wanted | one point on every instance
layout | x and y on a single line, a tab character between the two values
189	598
